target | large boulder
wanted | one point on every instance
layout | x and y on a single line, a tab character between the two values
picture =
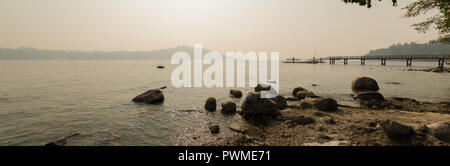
254	107
153	96
210	104
303	94
228	107
364	84
326	104
441	131
281	102
399	133
235	93
298	89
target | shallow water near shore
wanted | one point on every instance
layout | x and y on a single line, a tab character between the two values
41	101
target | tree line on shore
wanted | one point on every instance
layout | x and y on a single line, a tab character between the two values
430	48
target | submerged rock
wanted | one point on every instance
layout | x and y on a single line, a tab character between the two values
364	84
153	96
326	104
235	93
399	133
228	107
62	141
254	106
210	104
395	83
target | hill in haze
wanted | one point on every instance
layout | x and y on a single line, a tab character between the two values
38	54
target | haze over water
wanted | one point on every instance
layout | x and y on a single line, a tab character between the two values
41	101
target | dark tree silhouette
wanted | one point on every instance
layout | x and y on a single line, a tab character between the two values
439	21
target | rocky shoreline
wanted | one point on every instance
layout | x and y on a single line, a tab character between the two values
305	119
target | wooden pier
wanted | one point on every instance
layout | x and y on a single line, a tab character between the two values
409	58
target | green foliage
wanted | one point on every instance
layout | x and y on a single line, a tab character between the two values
367	3
439	21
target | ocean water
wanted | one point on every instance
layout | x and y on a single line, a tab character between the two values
41	101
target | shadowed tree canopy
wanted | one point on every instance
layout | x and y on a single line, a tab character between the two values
439	21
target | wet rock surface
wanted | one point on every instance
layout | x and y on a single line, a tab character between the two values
214	129
326	104
441	130
399	133
234	93
211	104
228	107
153	96
364	84
254	107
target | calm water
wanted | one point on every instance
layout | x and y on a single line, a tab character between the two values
41	101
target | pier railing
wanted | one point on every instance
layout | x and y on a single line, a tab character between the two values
441	58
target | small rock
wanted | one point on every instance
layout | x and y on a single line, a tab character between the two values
262	87
364	84
291	99
228	107
303	94
321	136
305	104
302	120
319	114
164	87
423	129
238	128
160	67
399	133
441	131
153	96
326	104
331	143
236	93
328	120
298	89
211	104
395	83
214	129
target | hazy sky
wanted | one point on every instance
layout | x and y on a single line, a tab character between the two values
292	27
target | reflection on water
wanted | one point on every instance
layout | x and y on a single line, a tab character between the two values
41	101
